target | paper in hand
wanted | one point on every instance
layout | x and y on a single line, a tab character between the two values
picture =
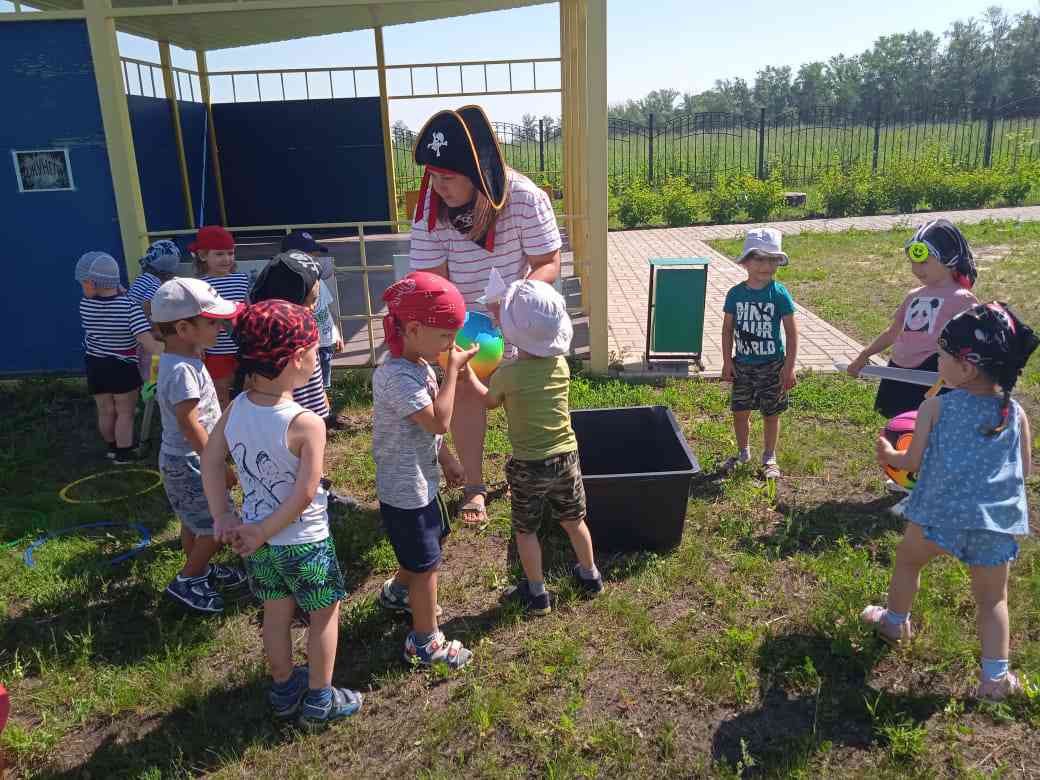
495	290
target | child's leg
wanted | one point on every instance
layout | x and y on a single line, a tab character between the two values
530	552
322	637
742	429
771	435
403	579
126	406
106	412
422	597
913	553
187	541
202	550
989	586
581	541
278	615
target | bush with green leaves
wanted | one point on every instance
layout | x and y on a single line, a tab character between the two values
679	203
762	199
639	205
838	192
724	200
905	182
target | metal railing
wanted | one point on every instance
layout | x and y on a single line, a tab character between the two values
142	77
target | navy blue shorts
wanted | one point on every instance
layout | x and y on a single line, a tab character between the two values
416	534
325	361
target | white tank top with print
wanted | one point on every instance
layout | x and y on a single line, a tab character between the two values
257	439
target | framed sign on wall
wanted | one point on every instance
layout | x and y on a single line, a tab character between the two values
43	170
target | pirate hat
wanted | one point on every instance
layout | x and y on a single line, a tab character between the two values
461	142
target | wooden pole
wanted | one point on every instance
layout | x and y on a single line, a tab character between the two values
214	150
119	140
596	177
166	66
384	116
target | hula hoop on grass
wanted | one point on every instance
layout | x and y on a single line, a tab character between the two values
146	538
63	494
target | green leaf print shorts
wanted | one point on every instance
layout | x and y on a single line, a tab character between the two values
309	573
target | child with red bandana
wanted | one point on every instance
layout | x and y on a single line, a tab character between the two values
410	416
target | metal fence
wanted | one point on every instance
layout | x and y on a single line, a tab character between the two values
798	145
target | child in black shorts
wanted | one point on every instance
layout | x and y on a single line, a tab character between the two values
762	370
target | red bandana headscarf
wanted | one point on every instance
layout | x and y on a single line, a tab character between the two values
424	298
268	333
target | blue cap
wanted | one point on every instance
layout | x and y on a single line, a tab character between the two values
162	256
98	267
303	241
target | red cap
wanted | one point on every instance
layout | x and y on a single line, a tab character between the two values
212	237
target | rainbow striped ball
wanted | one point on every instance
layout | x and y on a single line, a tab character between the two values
479	329
900	432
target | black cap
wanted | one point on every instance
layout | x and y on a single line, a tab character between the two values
302	240
289	276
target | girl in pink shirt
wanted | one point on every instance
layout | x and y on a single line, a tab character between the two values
942	262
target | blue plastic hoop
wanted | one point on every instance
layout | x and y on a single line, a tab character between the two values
146	539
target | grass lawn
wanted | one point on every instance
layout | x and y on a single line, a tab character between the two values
738	654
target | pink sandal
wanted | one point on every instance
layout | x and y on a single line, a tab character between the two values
894	635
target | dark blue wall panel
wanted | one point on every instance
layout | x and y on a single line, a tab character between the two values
50	101
302	161
157	164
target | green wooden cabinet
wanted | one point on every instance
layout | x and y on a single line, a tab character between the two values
675	309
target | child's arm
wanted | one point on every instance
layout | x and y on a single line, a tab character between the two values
436	418
214	479
880	344
911	459
491	400
1027	445
788	378
187	413
306	439
727	347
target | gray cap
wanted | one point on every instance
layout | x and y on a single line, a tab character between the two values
98	267
162	256
183	298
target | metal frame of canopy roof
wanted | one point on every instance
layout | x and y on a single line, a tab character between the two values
200	25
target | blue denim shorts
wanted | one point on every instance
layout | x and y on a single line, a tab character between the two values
416	534
325	361
182	479
974	547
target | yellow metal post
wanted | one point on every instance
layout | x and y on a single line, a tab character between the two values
595	177
166	66
214	150
119	141
384	116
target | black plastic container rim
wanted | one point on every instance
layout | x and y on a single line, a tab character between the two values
690	458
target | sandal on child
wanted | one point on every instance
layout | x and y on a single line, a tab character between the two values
894	635
473	514
437	650
770	470
286	704
342	704
999	688
393	602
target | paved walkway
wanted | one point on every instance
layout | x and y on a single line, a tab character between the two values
821	345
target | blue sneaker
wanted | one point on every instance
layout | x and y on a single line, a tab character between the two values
590	588
286	704
226	576
196	593
343	703
521	594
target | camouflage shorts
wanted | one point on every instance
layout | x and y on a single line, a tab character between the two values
309	573
758	386
538	486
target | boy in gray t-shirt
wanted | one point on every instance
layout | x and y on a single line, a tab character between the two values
189	315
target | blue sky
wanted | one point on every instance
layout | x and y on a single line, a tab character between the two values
651	44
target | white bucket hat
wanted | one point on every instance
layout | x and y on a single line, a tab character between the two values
534	318
766	241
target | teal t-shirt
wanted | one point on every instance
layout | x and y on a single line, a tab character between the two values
757	319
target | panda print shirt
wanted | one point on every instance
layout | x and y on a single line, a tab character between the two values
922	315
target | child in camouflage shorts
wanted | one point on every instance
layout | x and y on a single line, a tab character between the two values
278	448
544	474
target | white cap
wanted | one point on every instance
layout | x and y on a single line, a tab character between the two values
183	298
534	318
766	241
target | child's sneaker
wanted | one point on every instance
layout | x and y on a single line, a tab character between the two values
536	605
437	649
999	688
589	587
393	601
196	593
226	577
894	635
730	464
342	703
770	469
287	703
125	456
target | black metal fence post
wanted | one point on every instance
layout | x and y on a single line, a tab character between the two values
650	151
762	143
541	145
877	140
987	153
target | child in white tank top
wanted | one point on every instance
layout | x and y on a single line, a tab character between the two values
283	534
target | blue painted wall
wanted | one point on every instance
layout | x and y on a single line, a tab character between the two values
157	164
50	100
302	161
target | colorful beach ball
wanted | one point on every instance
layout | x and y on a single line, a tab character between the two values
899	432
479	329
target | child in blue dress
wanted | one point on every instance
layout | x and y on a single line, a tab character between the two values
972	450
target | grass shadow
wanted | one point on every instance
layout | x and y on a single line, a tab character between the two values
820	526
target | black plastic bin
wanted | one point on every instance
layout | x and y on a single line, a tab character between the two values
637	469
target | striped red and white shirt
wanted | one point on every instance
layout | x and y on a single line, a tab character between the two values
525	227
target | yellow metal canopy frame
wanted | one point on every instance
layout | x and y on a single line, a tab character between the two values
201	25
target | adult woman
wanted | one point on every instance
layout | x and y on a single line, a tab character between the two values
474	214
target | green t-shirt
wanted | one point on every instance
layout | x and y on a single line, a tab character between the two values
534	392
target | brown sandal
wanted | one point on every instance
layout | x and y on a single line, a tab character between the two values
473	508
